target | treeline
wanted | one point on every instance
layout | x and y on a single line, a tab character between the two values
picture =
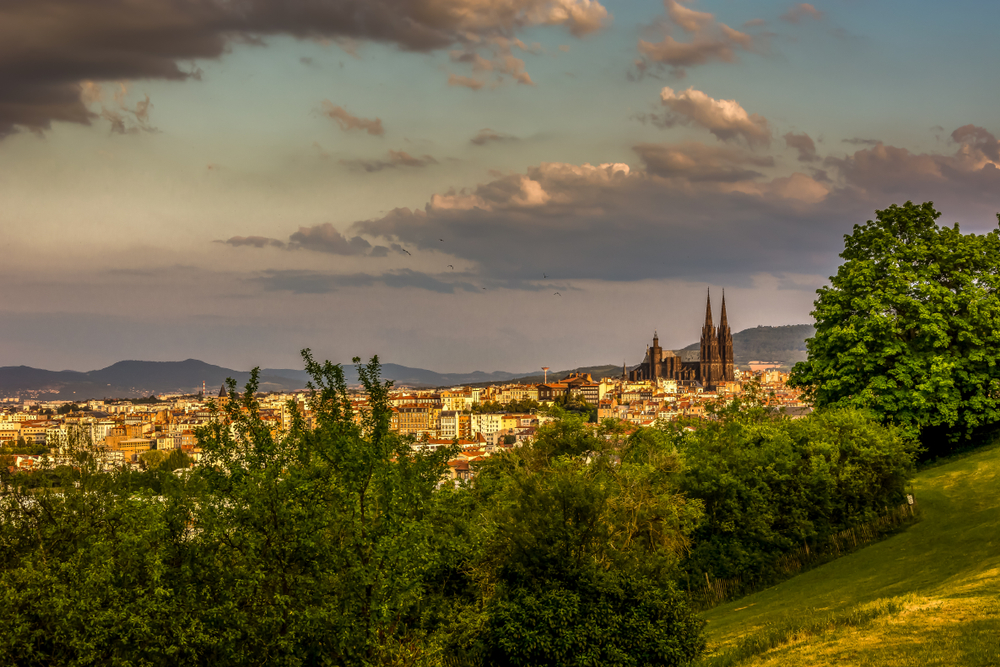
341	545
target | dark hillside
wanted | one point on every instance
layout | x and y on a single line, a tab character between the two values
785	345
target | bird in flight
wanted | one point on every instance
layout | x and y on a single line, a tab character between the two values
484	288
441	240
557	294
544	276
407	252
451	267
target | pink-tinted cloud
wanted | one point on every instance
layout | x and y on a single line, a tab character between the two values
801	11
726	119
708	40
464	81
348	122
392	160
686	210
804	144
487	136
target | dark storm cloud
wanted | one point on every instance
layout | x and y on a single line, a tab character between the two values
804	144
48	48
316	282
393	160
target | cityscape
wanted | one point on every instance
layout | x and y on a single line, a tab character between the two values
495	333
481	420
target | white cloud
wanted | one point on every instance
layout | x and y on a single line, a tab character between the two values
726	119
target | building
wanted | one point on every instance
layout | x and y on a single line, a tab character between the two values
715	359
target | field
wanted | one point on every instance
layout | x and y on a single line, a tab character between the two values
927	596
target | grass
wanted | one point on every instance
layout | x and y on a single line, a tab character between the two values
927	596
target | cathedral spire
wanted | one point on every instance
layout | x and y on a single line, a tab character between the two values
723	323
708	309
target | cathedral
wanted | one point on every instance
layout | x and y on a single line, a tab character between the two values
715	361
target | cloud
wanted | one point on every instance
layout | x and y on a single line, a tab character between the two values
394	159
325	238
464	81
48	48
726	119
348	122
686	211
122	118
710	40
804	144
316	282
801	11
971	174
861	142
693	162
977	139
253	241
486	135
502	62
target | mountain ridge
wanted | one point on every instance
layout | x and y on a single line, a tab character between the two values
135	378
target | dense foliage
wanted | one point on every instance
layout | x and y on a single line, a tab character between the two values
910	327
341	543
771	485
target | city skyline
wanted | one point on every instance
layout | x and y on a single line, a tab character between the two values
464	184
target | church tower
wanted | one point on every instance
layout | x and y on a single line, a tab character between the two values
710	361
725	346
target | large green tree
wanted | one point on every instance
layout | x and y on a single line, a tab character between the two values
910	327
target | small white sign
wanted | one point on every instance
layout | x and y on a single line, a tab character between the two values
909	498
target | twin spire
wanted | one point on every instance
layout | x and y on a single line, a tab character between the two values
724	322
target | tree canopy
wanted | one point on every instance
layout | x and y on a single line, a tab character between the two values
910	327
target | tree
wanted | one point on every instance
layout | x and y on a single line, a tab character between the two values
153	458
910	327
581	532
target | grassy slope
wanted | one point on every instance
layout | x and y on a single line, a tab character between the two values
944	573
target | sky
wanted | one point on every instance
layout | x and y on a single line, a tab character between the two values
463	185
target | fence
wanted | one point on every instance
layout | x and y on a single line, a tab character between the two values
717	591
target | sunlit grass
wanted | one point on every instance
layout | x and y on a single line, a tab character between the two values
927	596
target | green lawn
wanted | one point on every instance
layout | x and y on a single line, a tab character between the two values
927	596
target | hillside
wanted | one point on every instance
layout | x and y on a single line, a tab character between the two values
785	345
133	379
927	596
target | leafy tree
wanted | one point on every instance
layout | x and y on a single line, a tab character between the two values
581	533
153	458
310	547
177	460
769	484
910	327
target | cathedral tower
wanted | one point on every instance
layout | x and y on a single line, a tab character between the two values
710	362
725	345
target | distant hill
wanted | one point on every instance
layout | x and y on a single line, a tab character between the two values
403	376
596	372
786	345
134	379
